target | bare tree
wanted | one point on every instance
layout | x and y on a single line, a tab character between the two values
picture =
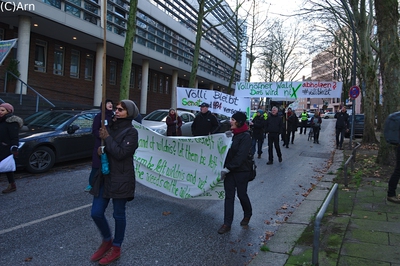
387	19
128	46
257	28
282	53
335	20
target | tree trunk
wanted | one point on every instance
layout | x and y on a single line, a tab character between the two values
387	19
199	34
128	49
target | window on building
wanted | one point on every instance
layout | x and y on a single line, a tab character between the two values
55	3
161	84
113	72
140	79
73	10
58	65
1	34
74	68
155	82
132	79
166	85
40	56
89	67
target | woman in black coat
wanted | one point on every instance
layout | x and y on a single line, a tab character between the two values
236	173
9	141
120	144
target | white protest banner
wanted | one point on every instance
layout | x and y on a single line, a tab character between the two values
181	167
290	90
220	103
5	48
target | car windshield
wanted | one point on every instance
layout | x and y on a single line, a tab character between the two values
48	119
158	116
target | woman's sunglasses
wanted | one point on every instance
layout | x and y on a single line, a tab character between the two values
120	109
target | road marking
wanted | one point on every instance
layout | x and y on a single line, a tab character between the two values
43	219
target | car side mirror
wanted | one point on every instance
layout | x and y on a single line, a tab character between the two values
72	128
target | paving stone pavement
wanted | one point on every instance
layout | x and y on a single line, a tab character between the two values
365	232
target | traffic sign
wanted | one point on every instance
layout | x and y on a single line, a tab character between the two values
354	92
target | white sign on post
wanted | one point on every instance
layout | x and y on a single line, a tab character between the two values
181	167
290	90
220	103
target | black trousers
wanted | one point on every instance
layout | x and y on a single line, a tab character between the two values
341	132
236	182
273	140
287	137
316	131
303	124
395	177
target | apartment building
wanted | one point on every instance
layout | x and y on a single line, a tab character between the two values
60	49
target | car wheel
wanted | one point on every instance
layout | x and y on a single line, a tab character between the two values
41	160
326	117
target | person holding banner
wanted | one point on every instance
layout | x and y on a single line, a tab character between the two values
9	130
174	123
236	172
205	122
109	113
121	142
274	128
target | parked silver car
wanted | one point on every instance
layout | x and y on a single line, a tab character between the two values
328	115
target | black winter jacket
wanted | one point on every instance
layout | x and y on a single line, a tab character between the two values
120	148
9	130
274	124
258	126
238	152
342	119
204	124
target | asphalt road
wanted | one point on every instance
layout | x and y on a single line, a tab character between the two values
47	221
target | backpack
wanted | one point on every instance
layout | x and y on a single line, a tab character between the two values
392	128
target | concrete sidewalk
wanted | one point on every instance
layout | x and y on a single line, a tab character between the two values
365	232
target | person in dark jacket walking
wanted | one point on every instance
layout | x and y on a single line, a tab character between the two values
121	142
316	122
109	113
273	128
342	119
291	126
9	140
205	122
258	129
174	123
236	173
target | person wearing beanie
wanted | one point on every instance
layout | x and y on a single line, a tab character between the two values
205	123
120	144
174	123
258	128
236	172
109	113
274	128
9	131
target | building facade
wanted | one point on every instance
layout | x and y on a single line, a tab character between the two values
60	49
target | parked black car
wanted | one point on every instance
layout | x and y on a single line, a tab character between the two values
358	125
55	135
